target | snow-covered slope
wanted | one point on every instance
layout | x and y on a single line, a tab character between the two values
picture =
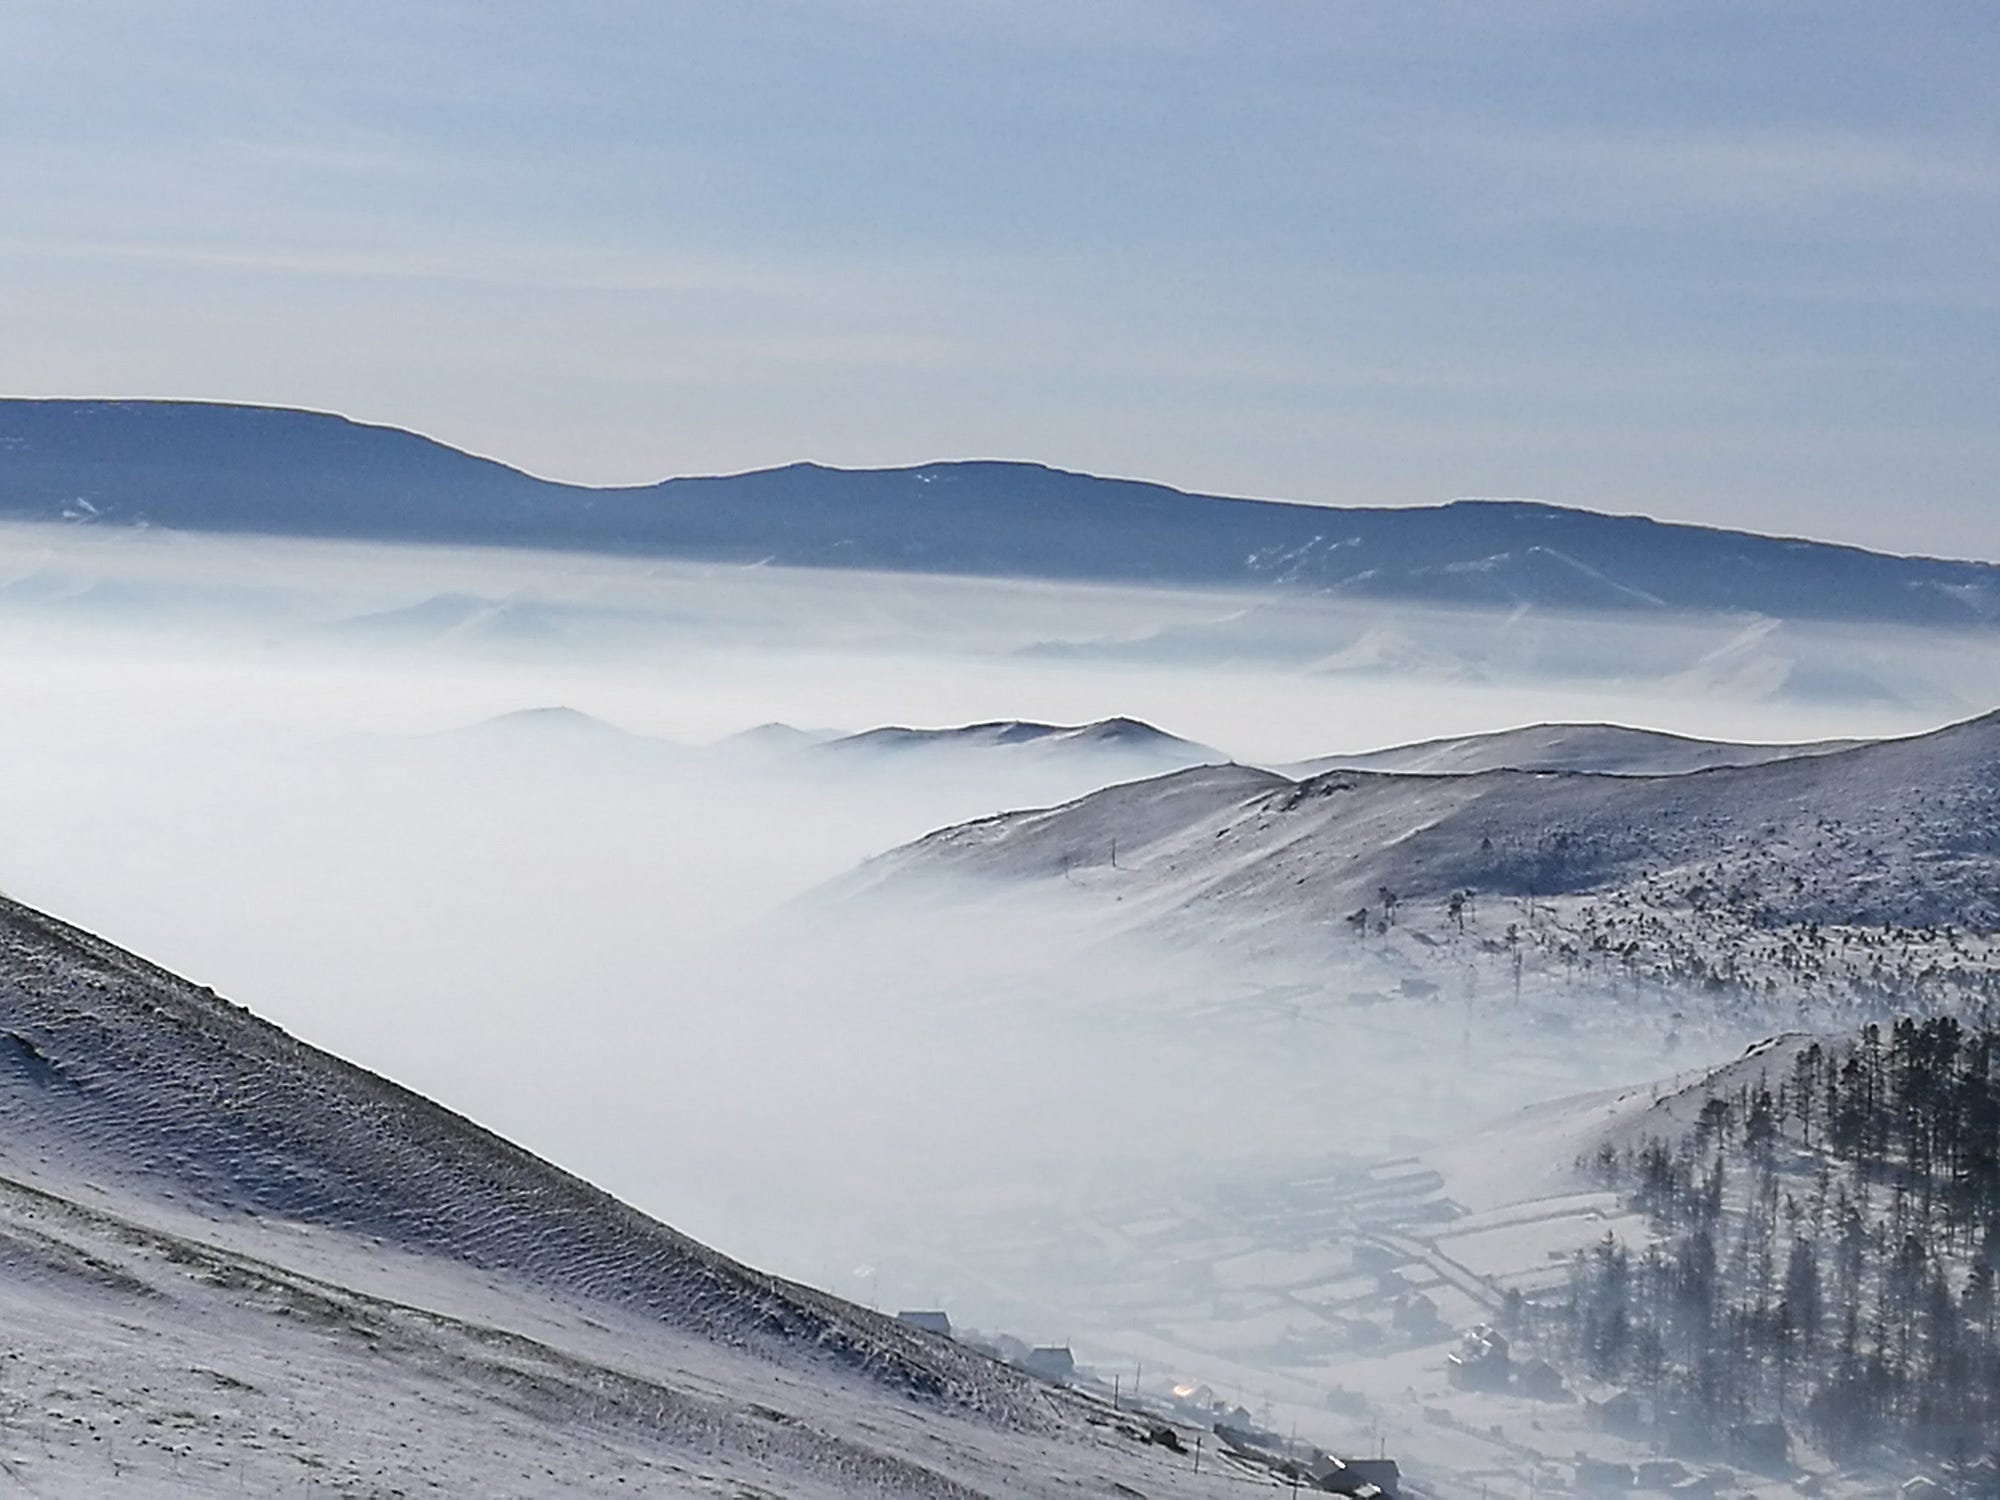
1608	749
233	1261
1543	1150
1895	834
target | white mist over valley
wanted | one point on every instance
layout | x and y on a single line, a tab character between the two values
514	831
1228	986
1024	752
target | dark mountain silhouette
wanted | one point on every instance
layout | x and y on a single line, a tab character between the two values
201	466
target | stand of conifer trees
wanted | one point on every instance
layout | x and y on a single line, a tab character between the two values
1825	1248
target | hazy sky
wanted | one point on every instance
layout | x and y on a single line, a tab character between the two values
1728	262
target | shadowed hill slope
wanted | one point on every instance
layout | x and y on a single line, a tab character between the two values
201	466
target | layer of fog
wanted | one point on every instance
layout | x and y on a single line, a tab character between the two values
256	763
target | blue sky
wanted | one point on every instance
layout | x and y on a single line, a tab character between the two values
1722	262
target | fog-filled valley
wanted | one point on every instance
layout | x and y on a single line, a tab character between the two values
999	752
589	848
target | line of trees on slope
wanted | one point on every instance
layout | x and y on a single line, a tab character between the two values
1825	1251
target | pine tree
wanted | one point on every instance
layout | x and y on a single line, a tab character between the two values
1802	1293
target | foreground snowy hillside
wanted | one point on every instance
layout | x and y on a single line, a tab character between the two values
232	1261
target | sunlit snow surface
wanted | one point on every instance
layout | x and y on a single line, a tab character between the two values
233	1262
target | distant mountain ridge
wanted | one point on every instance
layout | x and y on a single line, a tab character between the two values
1126	736
1598	749
1584	749
1117	732
211	467
1121	746
1888	834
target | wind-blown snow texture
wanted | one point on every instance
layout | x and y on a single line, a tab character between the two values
1903	833
152	1072
261	469
185	1189
1608	749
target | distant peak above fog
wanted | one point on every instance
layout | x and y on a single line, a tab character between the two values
1125	741
1118	738
210	467
1581	749
1120	733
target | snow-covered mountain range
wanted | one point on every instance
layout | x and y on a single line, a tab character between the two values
1120	743
1116	748
1735	875
200	466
